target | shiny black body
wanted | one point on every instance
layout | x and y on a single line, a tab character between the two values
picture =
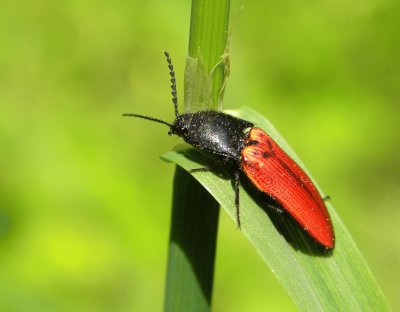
217	133
214	132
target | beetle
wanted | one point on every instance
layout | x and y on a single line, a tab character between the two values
253	152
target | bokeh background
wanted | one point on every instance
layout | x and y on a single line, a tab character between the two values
85	199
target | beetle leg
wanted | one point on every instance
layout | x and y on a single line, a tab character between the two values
277	209
237	185
222	161
201	169
326	198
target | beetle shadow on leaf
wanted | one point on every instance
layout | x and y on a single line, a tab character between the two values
285	224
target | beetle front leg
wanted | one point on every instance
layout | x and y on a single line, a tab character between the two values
221	161
201	169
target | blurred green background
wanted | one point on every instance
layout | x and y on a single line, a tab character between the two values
85	199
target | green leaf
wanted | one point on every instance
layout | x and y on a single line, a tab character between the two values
316	280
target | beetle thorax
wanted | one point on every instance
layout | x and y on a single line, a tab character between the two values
214	132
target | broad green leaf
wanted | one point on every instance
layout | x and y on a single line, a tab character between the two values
316	280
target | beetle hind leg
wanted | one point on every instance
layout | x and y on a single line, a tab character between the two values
326	198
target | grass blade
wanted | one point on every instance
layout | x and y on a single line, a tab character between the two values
192	246
195	213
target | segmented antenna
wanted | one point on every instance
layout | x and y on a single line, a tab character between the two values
148	118
173	81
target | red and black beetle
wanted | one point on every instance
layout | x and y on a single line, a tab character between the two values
253	152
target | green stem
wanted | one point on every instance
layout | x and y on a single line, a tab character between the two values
193	238
194	224
208	36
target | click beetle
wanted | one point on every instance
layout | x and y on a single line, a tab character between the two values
253	152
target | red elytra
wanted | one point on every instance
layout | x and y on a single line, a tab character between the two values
275	173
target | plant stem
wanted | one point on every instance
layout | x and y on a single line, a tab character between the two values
195	213
208	36
192	246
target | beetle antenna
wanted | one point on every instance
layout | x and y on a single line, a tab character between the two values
173	85
149	118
